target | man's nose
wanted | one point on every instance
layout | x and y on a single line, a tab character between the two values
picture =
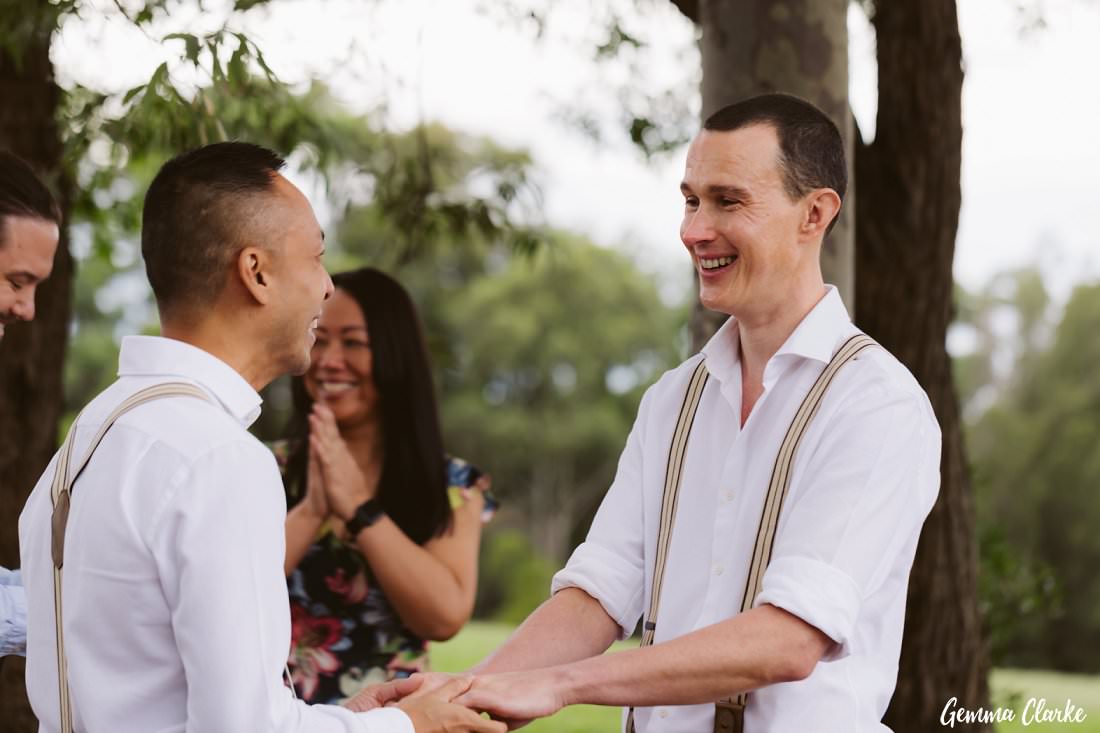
697	227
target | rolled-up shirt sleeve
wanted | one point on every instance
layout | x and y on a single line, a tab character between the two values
609	564
220	547
853	523
13	614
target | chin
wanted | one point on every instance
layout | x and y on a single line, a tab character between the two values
715	302
342	417
299	366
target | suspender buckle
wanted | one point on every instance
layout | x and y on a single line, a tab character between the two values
729	717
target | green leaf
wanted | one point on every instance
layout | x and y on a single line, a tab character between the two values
263	65
243	5
192	45
133	93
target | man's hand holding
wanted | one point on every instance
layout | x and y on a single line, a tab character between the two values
377	696
436	711
428	701
516	697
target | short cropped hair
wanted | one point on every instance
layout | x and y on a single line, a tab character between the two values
22	194
810	145
196	218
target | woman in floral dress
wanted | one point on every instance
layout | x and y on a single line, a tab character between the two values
383	528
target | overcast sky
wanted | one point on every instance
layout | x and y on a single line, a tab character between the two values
1031	111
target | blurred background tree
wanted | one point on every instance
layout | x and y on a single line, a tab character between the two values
1032	393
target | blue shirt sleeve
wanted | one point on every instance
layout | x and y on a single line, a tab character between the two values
13	613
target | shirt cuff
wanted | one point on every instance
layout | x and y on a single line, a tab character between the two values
386	720
608	579
819	594
13	626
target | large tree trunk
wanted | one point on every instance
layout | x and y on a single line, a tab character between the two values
799	47
909	181
32	354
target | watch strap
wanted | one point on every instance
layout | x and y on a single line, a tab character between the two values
369	512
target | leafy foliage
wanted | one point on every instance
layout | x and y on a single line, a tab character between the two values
1035	469
513	579
658	112
419	188
553	357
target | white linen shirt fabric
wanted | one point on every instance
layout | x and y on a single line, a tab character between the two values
13	614
864	479
175	606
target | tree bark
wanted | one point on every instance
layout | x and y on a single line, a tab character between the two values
798	47
909	180
32	355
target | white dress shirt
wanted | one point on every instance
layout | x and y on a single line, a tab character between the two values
13	614
864	479
175	606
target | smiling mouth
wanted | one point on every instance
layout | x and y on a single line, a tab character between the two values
716	263
334	388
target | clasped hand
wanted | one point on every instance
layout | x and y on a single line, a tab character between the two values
335	483
438	703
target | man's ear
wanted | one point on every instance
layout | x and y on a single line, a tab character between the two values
822	206
255	268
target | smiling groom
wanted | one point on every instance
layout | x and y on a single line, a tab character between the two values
168	571
766	510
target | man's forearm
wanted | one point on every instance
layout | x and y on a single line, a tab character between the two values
761	647
572	625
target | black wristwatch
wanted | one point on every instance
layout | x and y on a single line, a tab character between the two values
369	512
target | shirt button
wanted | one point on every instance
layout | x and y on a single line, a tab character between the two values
662	713
729	496
718	569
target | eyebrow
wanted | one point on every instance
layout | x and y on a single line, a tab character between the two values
733	192
718	190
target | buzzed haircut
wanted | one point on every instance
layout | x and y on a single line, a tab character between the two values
196	218
22	194
811	148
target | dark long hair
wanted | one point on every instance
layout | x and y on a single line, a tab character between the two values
413	486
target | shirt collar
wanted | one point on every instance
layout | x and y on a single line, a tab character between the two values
821	331
816	337
156	356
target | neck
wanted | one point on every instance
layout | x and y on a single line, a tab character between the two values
763	332
228	344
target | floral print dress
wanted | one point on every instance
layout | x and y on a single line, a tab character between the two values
345	635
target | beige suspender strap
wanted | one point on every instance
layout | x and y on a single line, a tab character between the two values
673	472
729	715
61	495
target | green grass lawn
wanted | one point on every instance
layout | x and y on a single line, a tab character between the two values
1011	688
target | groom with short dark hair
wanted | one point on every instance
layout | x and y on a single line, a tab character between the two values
174	608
